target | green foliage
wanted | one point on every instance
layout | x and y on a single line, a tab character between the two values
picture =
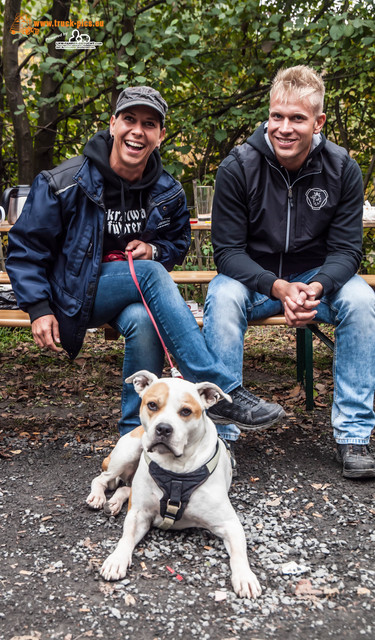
212	61
368	261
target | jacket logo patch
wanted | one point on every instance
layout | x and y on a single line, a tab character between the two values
316	198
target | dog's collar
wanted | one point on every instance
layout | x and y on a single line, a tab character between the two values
178	487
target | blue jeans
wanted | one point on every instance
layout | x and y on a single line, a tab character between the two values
230	305
118	303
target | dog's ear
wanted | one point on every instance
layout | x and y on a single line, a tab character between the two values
210	393
141	381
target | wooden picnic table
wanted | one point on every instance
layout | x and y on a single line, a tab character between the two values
207	225
198	231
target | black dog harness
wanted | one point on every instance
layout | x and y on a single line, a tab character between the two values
178	487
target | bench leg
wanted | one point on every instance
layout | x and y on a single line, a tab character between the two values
300	345
110	333
305	364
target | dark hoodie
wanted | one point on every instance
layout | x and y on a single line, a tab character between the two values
125	202
267	224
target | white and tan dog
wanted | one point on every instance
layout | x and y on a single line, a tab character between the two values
176	442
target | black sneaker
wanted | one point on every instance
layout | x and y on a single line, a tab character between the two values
247	411
357	460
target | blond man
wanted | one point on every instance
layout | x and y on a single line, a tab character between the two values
287	237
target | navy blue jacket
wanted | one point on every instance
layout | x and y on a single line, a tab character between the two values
267	224
55	247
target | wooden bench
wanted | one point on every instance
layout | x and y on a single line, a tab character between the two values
304	344
18	318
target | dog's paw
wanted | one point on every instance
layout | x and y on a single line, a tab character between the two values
114	567
246	585
113	506
96	500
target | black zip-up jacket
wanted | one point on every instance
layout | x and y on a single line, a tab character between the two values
267	224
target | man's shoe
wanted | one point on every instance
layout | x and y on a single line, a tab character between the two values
247	411
357	461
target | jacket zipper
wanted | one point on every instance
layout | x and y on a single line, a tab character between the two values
174	195
102	206
290	207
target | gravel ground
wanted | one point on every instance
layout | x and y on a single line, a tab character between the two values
310	541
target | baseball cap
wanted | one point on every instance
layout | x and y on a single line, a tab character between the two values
146	96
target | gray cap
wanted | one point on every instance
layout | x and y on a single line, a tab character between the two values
146	96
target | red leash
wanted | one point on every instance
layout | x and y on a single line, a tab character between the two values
174	372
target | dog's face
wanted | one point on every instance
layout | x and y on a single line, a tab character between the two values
172	411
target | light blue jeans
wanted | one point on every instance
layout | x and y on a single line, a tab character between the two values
118	303
230	305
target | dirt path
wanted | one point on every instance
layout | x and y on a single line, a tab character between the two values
310	540
310	533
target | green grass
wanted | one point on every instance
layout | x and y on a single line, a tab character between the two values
11	338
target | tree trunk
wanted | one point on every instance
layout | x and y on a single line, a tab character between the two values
46	135
12	79
2	167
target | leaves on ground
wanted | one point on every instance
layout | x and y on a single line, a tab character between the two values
45	395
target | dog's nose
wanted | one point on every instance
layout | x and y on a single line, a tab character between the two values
163	430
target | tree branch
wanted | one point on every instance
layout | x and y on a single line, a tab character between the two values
149	6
